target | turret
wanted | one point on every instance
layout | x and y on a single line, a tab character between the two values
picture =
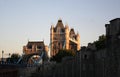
78	41
67	36
51	32
66	26
51	39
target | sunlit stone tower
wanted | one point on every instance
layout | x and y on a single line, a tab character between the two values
61	37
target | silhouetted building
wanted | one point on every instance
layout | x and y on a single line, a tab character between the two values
92	61
63	38
113	48
8	71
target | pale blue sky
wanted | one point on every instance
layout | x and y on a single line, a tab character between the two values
21	20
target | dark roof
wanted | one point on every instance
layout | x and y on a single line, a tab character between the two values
60	24
115	19
106	25
72	31
35	42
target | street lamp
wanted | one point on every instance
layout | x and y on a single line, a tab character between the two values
2	56
9	55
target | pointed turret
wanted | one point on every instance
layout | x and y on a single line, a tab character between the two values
51	38
59	24
66	26
78	41
67	36
51	29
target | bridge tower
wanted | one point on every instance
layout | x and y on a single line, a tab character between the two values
61	37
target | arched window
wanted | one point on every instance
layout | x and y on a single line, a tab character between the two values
29	46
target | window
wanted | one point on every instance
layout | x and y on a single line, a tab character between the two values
29	46
39	47
62	31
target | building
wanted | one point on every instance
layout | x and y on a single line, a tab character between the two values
35	51
92	61
34	47
61	37
112	61
104	62
9	70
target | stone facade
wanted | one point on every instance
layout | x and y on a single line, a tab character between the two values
34	47
90	62
112	60
63	38
8	71
33	50
104	62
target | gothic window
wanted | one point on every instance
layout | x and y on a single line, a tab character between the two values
59	43
62	31
39	47
29	46
55	38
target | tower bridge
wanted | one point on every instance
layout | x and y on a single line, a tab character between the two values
30	59
34	52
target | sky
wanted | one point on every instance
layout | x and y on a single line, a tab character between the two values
23	20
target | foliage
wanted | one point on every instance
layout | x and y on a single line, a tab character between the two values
14	58
101	42
61	54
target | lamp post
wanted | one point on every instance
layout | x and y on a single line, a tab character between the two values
2	56
9	57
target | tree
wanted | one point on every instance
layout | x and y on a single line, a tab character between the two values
101	42
14	58
61	54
